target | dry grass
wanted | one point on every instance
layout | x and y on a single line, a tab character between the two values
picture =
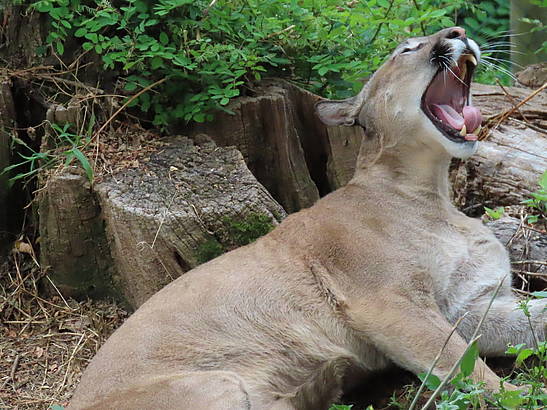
45	342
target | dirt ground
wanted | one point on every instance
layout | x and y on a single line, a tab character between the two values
45	342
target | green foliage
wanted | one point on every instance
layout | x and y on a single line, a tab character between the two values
494	213
248	230
37	161
538	202
466	394
209	250
239	233
487	19
487	22
432	381
209	51
532	363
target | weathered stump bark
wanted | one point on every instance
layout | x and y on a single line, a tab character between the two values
74	249
150	224
7	121
533	76
265	131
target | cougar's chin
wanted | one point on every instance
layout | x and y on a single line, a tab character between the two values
447	104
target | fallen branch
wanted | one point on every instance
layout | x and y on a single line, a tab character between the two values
487	129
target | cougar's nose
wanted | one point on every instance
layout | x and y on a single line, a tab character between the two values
456	32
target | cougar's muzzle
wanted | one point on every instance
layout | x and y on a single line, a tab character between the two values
446	101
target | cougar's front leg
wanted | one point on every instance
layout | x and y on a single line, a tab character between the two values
504	323
411	335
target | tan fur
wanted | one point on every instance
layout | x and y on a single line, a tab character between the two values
374	273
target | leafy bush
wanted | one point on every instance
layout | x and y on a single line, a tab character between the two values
208	51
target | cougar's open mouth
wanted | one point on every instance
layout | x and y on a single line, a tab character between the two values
447	104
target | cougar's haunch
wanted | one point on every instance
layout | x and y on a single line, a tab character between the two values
373	274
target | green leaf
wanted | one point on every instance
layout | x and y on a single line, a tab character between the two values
164	39
523	355
82	31
540	294
130	86
59	47
43	6
467	364
432	381
494	213
512	399
543	180
85	163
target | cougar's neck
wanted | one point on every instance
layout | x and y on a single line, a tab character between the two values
418	169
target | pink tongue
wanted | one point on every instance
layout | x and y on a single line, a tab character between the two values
471	116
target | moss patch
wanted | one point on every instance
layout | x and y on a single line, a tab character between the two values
248	230
209	250
237	233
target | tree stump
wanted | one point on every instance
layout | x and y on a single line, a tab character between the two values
263	128
144	227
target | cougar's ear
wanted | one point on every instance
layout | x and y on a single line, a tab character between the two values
343	112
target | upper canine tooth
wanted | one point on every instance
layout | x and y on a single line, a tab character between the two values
471	58
463	132
463	72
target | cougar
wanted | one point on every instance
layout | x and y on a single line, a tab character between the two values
374	274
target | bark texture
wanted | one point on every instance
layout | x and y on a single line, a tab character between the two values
287	148
139	229
74	249
7	121
268	132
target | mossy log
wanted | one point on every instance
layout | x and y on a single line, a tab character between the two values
140	228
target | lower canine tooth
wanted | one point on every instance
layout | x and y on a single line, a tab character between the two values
463	132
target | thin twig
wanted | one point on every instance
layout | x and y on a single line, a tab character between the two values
13	370
280	32
512	101
504	115
530	261
129	101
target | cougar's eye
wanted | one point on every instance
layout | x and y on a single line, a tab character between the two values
411	49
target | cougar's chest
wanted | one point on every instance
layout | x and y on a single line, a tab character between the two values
467	260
